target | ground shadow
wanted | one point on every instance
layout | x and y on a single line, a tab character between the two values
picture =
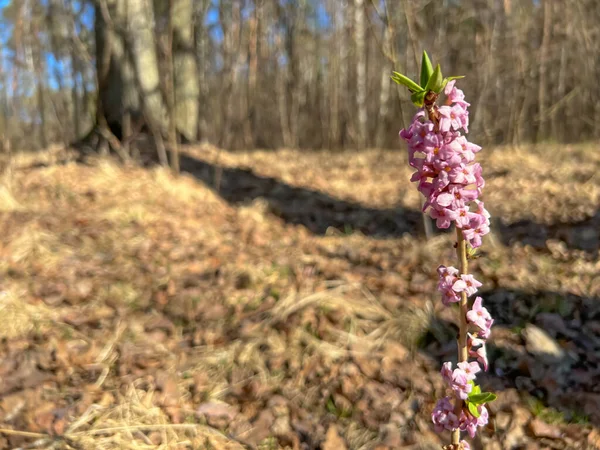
563	387
318	211
580	235
315	210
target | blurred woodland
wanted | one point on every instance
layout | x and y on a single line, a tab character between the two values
301	74
269	297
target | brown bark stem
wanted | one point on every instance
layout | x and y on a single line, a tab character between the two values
461	253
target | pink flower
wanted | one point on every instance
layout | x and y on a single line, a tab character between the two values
444	217
456	196
467	283
447	372
469	424
441	181
480	353
444	271
458	379
454	95
445	122
484	416
447	278
443	416
480	317
450	149
462	174
479	181
474	234
406	133
460	383
463	217
453	117
484	334
481	210
443	200
469	368
465	445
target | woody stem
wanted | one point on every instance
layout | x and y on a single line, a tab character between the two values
461	252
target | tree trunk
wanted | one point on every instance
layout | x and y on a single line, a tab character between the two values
127	64
361	72
185	71
543	120
226	13
201	38
39	69
250	121
334	77
75	99
384	93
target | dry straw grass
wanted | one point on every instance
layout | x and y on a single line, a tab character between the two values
19	318
133	423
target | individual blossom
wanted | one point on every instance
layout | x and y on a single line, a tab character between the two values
467	283
443	217
477	350
463	218
447	372
480	317
453	117
454	95
447	278
463	174
469	368
482	211
469	423
478	227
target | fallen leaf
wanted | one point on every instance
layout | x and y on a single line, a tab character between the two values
333	441
540	428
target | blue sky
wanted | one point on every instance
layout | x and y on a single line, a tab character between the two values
212	20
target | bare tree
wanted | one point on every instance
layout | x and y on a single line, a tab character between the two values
310	73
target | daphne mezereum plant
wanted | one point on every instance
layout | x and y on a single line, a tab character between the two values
452	182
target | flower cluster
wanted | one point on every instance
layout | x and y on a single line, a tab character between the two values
447	173
444	418
451	284
452	182
461	380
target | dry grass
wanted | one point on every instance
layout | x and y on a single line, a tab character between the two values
145	268
20	318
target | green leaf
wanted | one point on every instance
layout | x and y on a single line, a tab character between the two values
446	80
426	69
481	398
435	81
473	409
404	80
476	389
418	98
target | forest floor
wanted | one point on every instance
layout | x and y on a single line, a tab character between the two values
271	300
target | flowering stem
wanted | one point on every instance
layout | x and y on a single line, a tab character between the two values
463	355
452	183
